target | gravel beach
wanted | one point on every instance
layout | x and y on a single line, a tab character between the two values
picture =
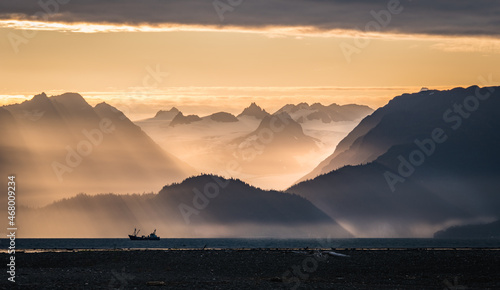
257	269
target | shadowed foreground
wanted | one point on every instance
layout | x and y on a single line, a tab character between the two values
257	269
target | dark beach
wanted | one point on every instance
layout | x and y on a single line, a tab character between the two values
257	269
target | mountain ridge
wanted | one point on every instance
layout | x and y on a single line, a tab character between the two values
254	111
166	115
72	142
203	205
444	185
276	135
304	112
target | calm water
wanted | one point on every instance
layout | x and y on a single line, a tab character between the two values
249	243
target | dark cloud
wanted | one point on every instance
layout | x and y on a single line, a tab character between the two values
446	17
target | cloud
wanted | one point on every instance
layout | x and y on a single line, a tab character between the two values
446	17
489	46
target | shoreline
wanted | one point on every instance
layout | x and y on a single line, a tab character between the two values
301	268
74	250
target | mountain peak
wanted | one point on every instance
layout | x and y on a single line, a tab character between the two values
105	110
254	111
102	106
282	119
72	100
40	96
223	117
181	119
253	105
73	97
167	115
39	100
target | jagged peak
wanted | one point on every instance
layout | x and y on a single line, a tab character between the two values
43	95
172	110
181	119
255	111
40	98
168	114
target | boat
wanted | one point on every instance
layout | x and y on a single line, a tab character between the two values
135	236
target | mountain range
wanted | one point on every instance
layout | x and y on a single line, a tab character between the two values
304	112
273	145
300	113
68	146
180	119
420	163
425	163
268	159
201	206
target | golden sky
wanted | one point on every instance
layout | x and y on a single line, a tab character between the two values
198	67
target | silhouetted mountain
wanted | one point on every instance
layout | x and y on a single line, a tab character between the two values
276	143
386	127
347	151
167	115
205	205
138	145
77	148
223	117
332	113
432	157
180	119
238	202
214	141
254	111
474	231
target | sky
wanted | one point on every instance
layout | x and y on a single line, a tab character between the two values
207	56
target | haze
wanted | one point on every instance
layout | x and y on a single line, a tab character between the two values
346	78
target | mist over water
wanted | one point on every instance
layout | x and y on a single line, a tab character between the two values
90	172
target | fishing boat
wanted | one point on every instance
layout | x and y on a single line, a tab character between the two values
135	236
